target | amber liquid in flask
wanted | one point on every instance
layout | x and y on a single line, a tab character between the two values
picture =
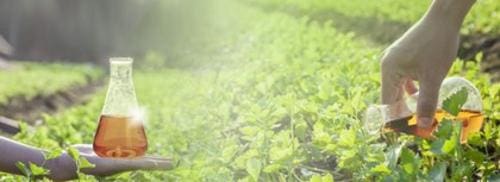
471	122
120	133
470	115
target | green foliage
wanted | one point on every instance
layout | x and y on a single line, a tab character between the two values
31	79
454	103
32	171
483	18
283	102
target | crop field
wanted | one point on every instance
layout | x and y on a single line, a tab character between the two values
277	98
31	79
483	18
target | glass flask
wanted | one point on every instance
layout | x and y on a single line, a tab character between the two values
120	133
383	118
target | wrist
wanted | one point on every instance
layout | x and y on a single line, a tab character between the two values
449	12
452	7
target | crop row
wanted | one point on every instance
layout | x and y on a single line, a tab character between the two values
484	18
31	79
286	105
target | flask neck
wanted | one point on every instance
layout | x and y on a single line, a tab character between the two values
120	98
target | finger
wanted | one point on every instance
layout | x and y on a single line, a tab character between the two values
427	101
153	163
392	91
110	166
410	87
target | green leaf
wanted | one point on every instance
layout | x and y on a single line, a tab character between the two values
488	131
494	177
254	168
37	170
300	130
381	168
438	172
449	145
318	178
73	153
408	161
315	178
272	168
53	154
22	167
393	154
84	163
475	156
445	129
437	146
327	178
454	103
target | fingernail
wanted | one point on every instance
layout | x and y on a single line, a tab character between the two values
425	122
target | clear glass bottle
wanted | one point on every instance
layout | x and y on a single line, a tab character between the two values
120	133
384	118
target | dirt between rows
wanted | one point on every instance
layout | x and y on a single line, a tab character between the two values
20	108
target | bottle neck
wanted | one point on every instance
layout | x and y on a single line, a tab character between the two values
120	98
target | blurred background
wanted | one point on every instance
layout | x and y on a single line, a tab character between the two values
240	90
92	30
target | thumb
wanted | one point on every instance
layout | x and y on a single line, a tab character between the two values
427	102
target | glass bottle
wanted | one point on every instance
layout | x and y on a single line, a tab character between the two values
120	133
383	118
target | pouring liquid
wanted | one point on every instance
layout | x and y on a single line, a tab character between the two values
471	122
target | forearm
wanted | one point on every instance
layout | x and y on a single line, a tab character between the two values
450	12
11	152
64	167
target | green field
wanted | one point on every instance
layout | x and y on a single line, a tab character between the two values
278	98
29	79
484	18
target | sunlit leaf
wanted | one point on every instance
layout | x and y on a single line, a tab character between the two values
453	104
253	168
327	178
52	154
84	163
37	170
22	167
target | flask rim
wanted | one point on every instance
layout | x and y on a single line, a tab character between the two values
121	60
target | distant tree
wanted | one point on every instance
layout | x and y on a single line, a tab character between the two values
70	30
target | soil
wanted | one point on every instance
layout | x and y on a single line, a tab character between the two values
489	45
31	110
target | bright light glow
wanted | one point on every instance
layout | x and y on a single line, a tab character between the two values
138	115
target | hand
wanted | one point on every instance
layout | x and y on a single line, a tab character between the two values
66	168
424	53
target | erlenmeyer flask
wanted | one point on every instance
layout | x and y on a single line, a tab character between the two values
404	120
120	133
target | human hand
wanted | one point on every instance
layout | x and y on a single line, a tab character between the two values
66	168
424	53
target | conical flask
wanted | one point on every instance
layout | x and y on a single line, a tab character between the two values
401	117
120	133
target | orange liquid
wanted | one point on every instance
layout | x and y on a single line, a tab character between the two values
120	137
471	122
